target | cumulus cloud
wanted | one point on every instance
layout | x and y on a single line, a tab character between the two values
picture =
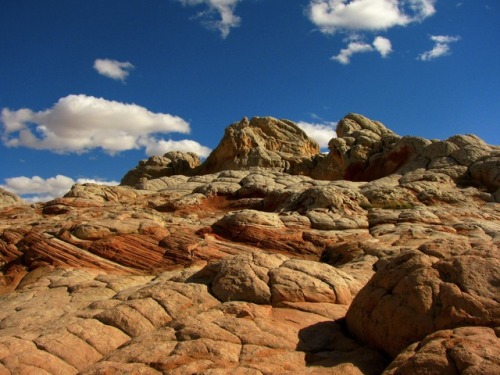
380	44
221	8
38	189
441	47
113	69
344	56
367	15
320	132
161	147
79	123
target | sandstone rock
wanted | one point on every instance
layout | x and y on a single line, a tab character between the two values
464	350
415	294
101	193
366	150
275	279
253	271
9	199
261	142
172	163
245	278
307	281
487	171
263	230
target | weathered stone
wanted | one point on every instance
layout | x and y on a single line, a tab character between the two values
170	164
9	199
220	274
464	350
261	142
245	278
415	294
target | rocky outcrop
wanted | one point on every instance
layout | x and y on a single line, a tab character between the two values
276	280
8	199
263	142
366	150
170	164
442	286
260	271
464	350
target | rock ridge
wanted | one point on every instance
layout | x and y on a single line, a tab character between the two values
364	150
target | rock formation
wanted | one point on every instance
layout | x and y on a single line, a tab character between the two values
263	142
262	267
170	164
9	199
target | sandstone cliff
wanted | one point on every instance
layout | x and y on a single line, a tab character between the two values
253	270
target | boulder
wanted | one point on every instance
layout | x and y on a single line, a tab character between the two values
277	280
464	350
415	294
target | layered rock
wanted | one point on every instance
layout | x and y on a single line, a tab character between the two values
261	271
8	199
74	321
263	142
170	164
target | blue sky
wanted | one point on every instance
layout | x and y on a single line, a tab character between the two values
90	87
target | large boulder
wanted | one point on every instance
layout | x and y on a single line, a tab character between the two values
263	142
440	286
277	280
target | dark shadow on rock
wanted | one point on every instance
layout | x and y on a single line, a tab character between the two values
328	344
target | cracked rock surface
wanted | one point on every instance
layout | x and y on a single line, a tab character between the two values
381	256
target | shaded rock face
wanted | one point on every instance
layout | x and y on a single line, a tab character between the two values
263	142
172	163
366	150
258	271
9	199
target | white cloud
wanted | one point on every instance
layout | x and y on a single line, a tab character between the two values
113	69
367	15
320	132
161	147
441	47
79	123
37	189
223	8
380	44
344	56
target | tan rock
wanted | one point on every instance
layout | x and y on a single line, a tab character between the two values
8	199
465	350
170	164
245	278
308	281
414	295
261	142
